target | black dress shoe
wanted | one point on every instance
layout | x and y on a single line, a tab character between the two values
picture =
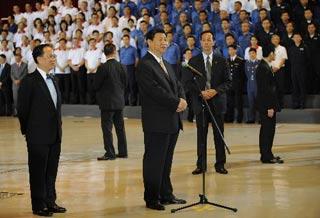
57	209
155	206
273	161
197	171
173	200
121	156
221	170
43	212
105	158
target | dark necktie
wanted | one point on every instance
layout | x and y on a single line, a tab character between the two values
208	71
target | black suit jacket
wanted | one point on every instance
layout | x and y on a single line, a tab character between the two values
220	81
267	89
110	84
160	96
5	78
39	120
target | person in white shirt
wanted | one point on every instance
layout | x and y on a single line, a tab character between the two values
6	51
68	9
253	44
92	59
146	17
65	28
55	3
78	72
98	38
95	25
112	3
17	38
47	39
83	8
62	70
123	21
32	66
17	14
107	22
24	48
39	13
116	32
126	31
278	66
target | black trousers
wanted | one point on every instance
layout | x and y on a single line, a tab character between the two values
190	109
298	88
280	82
234	101
157	162
5	102
43	163
131	92
202	134
91	94
266	136
64	81
78	86
109	117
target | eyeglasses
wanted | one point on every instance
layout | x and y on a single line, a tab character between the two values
52	56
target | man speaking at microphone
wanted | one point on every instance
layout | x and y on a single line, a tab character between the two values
162	100
213	84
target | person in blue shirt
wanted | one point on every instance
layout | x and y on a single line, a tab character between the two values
133	29
172	53
162	8
220	36
251	66
214	16
244	37
197	7
255	17
177	9
131	5
235	16
183	20
149	4
187	31
140	36
164	18
192	46
129	59
203	18
230	40
263	14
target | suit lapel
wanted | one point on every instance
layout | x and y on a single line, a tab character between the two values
160	72
45	90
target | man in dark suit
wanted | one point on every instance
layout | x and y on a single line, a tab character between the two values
162	100
39	112
110	84
215	82
268	105
5	87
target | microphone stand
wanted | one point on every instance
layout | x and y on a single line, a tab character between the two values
205	106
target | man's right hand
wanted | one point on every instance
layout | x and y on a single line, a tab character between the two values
182	105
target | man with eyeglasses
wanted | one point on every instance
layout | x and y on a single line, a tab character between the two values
39	112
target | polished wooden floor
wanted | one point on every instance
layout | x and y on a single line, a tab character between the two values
91	189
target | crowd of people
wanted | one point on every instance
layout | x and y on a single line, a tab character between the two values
241	28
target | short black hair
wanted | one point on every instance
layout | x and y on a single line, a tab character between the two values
38	51
109	49
234	46
126	35
229	34
150	35
267	50
187	49
3	56
253	49
205	32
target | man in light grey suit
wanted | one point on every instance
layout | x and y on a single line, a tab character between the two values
18	71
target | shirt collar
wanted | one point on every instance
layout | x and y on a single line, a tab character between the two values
43	74
205	56
155	56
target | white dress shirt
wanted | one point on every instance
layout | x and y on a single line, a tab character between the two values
93	58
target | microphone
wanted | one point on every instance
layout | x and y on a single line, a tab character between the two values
193	70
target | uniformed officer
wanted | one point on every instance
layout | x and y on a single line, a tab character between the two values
299	57
250	70
234	95
312	40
